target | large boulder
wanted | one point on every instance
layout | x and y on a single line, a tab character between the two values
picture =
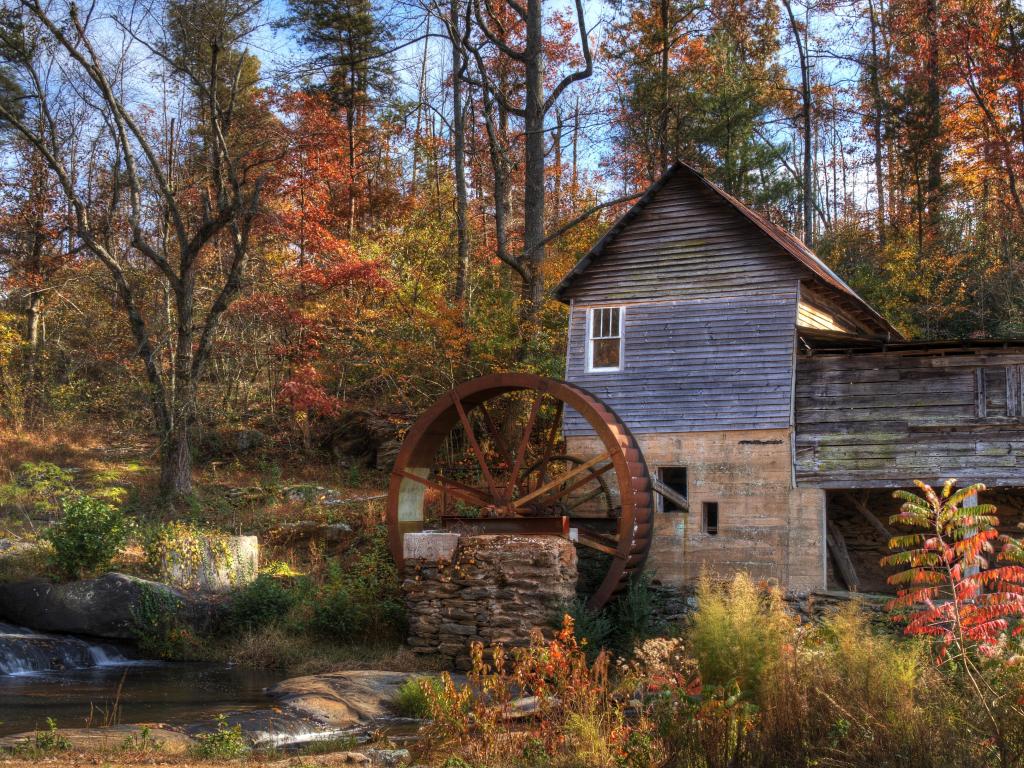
101	607
341	699
363	438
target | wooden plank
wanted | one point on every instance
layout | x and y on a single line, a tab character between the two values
841	557
668	493
1013	391
876	420
687	364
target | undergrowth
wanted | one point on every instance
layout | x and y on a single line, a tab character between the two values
744	685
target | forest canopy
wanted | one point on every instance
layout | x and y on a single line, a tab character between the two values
227	211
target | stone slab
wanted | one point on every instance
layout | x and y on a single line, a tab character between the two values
430	545
115	737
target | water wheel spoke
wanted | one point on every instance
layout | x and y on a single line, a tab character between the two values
549	444
492	429
552	485
594	475
524	444
475	446
580	502
451	488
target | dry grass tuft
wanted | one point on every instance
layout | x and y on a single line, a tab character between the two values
302	655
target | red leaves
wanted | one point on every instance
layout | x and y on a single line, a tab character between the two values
950	588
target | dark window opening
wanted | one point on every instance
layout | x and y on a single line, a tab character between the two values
709	519
674	478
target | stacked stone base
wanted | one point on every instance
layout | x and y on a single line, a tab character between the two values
487	588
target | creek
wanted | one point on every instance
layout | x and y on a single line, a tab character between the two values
80	682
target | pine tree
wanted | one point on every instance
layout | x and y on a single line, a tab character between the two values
351	49
699	83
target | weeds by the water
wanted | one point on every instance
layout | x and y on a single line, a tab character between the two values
225	743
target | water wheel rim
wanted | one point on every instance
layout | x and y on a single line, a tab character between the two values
406	494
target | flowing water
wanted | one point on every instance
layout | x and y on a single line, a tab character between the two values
80	682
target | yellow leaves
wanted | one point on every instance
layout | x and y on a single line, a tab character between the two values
10	337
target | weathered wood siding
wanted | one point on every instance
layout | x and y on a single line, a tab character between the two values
696	365
686	242
880	420
710	315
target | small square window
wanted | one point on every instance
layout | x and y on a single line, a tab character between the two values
709	518
604	343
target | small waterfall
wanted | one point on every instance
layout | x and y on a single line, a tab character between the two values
23	651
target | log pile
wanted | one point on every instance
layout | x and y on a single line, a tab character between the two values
487	588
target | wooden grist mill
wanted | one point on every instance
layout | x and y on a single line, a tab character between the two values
490	457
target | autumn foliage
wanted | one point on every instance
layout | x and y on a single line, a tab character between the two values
957	583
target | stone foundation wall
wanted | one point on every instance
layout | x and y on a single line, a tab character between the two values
766	526
487	588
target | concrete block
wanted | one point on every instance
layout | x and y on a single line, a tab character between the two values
212	564
430	545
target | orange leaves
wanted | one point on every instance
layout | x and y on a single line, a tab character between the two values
952	592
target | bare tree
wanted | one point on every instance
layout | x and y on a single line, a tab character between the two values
147	199
531	105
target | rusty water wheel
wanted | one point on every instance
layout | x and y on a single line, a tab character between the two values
490	456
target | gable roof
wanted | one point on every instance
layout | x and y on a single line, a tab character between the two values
785	240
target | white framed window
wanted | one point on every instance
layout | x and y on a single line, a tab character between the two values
605	338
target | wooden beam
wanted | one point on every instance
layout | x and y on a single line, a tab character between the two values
861	506
559	480
591	542
841	557
668	493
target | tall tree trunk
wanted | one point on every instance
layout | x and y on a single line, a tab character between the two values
533	204
350	126
176	463
459	150
805	114
556	192
935	146
874	78
666	42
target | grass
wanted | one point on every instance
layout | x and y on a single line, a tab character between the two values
25	563
410	700
303	655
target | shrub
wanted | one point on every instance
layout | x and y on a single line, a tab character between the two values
410	700
594	628
363	601
39	486
960	596
225	743
87	537
51	740
863	691
577	722
262	602
620	625
158	628
737	633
